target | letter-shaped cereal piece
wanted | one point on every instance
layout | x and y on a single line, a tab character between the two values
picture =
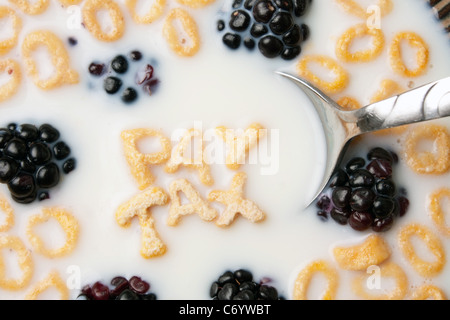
155	11
8	211
67	222
140	162
372	251
196	203
24	261
428	291
62	74
354	8
303	280
437	211
53	280
235	202
181	46
9	43
90	10
387	270
10	88
139	206
33	8
424	267
196	161
238	146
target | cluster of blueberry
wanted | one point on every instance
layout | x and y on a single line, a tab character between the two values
29	160
364	194
113	71
270	24
239	285
122	289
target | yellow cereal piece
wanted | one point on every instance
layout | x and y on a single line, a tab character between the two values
341	77
7	44
427	292
387	270
435	161
140	162
238	146
12	68
24	261
372	251
155	11
348	103
434	244
31	7
67	222
181	45
235	202
90	10
182	155
63	74
437	212
139	206
303	280
354	8
8	211
396	59
345	41
195	3
388	88
68	3
196	203
52	280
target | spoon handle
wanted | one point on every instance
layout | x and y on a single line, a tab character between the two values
428	102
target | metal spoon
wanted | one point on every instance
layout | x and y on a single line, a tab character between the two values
428	102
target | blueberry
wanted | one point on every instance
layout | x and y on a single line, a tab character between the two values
244	295
39	153
361	199
69	165
27	132
380	153
361	178
112	84
226	277
127	295
99	291
138	285
5	136
129	95
382	224
385	187
136	55
293	36
48	133
354	164
61	150
243	275
268	293
324	203
48	176
341	196
270	46
281	23
232	40
16	148
380	168
249	43
119	64
285	5
22	185
301	6
214	289
240	20
8	169
340	215
339	178
263	11
27	166
96	69
258	29
360	221
220	25
228	291
383	206
291	53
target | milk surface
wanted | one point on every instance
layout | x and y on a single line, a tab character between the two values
215	87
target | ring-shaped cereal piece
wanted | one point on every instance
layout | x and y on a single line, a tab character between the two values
428	291
7	44
12	68
428	162
434	244
90	10
195	3
304	278
34	8
67	222
8	211
437	212
177	44
396	59
345	41
59	56
52	280
24	260
155	11
387	270
353	8
340	81
348	103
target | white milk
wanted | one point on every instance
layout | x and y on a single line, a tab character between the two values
216	87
